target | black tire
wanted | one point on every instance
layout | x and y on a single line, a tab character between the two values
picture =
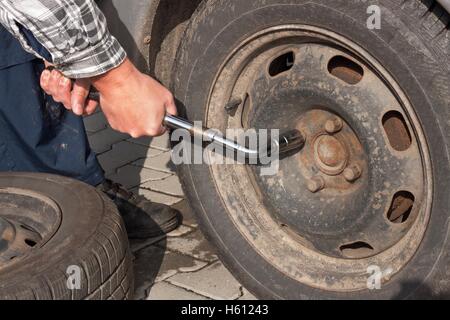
413	45
90	235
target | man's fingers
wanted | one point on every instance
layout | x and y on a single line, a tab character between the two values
161	131
45	79
64	92
58	86
90	107
80	93
171	107
157	131
53	84
152	132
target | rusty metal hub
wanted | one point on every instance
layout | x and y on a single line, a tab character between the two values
359	190
333	153
27	221
335	192
330	154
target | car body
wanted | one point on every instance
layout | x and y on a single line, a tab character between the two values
142	26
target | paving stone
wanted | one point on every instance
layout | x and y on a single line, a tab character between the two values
180	231
214	282
103	141
157	197
131	176
154	264
162	142
170	185
194	245
174	263
247	296
95	122
124	153
167	291
188	215
162	162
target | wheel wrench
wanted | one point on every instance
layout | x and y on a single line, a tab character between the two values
288	142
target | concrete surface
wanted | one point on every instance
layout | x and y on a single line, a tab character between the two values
182	265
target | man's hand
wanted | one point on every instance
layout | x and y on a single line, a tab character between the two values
72	97
133	102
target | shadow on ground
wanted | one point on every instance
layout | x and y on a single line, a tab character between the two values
149	256
147	264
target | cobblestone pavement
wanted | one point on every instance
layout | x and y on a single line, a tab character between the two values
182	265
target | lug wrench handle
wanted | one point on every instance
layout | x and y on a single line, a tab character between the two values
288	141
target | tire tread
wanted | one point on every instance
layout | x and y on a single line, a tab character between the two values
105	262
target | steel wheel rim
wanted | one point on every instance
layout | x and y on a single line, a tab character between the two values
29	221
300	252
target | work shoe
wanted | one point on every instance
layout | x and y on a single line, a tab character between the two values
143	218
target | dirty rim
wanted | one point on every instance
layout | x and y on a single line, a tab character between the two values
359	193
27	222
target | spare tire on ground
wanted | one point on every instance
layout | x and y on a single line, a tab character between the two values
60	239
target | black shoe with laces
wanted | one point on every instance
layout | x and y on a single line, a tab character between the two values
143	218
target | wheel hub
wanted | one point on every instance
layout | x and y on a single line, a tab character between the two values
340	189
330	155
27	221
360	187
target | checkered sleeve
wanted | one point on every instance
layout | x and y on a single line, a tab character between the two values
74	32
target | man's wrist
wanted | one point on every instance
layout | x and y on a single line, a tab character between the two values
115	77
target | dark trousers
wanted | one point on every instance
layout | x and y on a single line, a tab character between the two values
36	133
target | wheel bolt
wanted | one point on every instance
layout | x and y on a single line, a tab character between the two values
8	235
334	126
316	184
6	231
352	173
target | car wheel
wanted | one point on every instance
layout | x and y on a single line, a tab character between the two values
60	240
362	211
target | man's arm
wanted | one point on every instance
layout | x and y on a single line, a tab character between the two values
75	34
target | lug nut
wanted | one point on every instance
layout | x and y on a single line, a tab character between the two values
8	235
334	126
353	173
316	184
6	231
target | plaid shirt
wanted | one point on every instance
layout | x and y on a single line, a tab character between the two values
74	32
